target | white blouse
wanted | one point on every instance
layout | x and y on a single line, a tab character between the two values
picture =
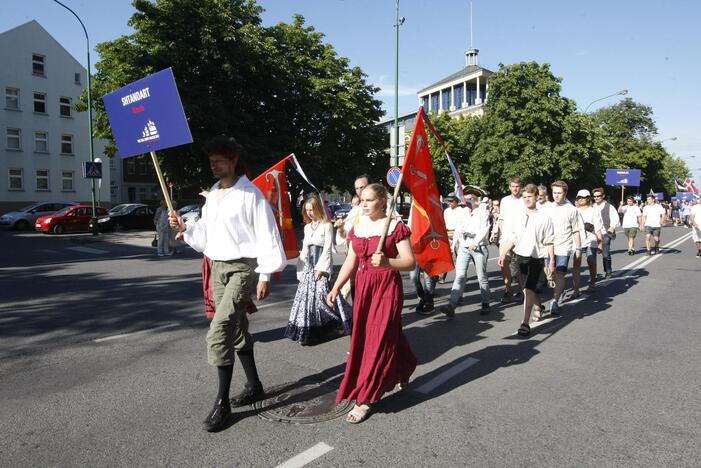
238	225
319	234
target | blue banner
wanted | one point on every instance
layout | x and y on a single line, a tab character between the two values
147	115
685	196
623	177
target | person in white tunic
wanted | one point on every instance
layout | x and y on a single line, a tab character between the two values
532	237
237	231
593	228
312	320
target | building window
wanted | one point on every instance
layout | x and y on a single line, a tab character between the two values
64	105
38	64
41	142
424	103
14	139
67	181
15	179
143	167
142	193
445	99
434	102
40	103
66	144
457	96
42	180
471	94
12	98
131	166
113	165
76	78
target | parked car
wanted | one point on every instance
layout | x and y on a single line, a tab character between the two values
190	212
128	216
26	217
340	210
70	219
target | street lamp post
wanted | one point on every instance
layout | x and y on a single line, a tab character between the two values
93	221
399	22
622	92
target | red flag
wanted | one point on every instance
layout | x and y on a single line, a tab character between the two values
273	184
429	238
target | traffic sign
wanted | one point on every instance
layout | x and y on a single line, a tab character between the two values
170	184
92	170
393	176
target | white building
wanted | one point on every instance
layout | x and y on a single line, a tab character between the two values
45	142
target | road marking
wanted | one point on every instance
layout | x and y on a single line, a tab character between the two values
446	375
139	332
87	250
307	456
273	304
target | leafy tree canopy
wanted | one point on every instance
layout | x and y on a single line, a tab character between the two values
277	89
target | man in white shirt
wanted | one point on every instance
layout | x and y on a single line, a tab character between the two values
532	237
343	226
653	219
567	238
611	221
632	217
695	222
237	231
510	206
470	241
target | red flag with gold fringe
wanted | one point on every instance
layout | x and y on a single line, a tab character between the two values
429	237
273	183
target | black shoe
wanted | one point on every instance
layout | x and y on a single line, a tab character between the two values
485	309
420	306
424	308
218	417
428	306
448	310
248	396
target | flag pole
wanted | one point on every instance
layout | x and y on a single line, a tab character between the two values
392	206
162	181
623	187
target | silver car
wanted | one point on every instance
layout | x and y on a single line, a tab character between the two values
24	218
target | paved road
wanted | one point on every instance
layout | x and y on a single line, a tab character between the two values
615	382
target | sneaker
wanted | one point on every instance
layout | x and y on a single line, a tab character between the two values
248	396
485	309
218	417
448	310
555	309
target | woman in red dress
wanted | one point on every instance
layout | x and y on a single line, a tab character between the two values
380	355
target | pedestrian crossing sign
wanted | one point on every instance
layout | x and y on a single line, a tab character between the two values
92	170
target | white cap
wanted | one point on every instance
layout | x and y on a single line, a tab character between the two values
583	193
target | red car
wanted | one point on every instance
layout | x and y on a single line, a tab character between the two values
70	219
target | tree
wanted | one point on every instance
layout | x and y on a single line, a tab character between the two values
277	89
529	130
630	132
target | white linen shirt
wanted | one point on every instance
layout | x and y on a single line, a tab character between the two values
531	233
451	216
510	207
475	222
239	225
566	223
591	215
631	216
609	215
653	215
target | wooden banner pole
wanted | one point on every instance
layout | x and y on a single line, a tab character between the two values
392	207
623	188
162	181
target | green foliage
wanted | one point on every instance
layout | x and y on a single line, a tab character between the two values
630	129
277	89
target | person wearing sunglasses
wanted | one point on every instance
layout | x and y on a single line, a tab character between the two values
611	220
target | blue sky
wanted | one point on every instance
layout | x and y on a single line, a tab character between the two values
598	47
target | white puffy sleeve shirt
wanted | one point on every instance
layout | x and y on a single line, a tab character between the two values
238	225
321	236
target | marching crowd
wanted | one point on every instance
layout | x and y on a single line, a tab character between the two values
539	241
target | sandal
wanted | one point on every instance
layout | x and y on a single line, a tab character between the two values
537	313
358	414
524	329
403	385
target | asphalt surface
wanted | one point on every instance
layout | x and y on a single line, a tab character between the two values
102	362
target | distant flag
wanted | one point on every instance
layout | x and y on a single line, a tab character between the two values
429	237
679	185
